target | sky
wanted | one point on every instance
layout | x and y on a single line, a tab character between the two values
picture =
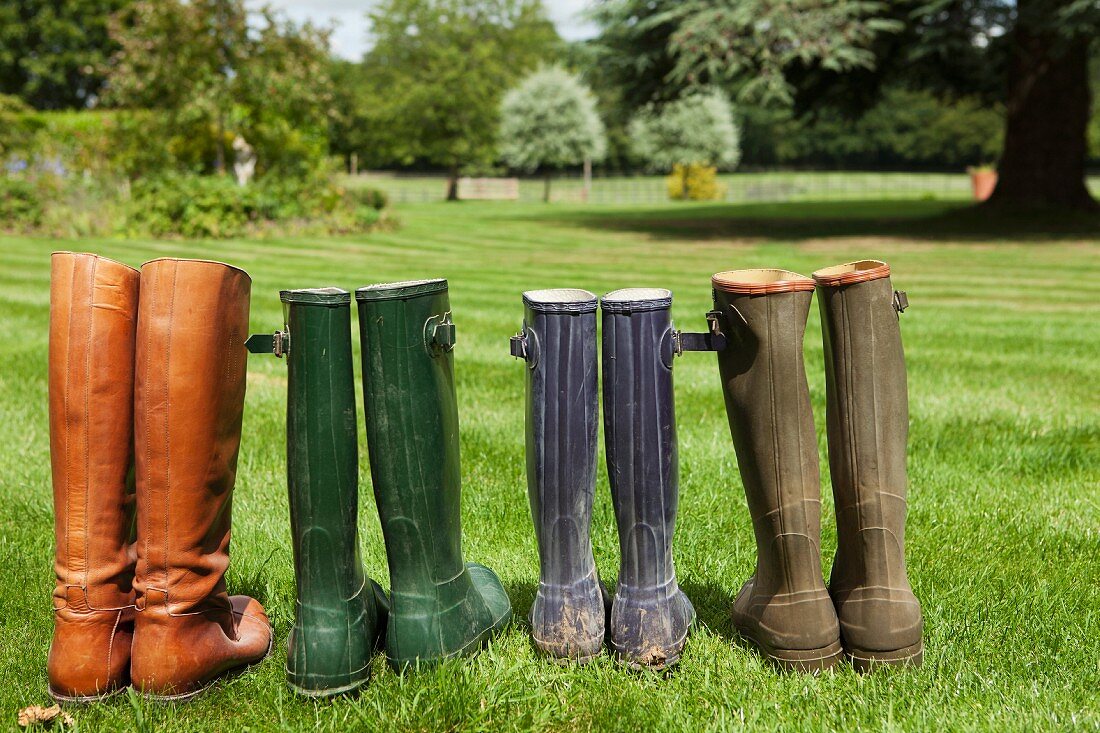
349	39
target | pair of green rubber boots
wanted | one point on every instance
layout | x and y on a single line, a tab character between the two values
439	606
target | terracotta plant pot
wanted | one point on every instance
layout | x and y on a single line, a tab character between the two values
983	182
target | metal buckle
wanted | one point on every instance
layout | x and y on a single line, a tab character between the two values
712	340
277	343
517	346
901	301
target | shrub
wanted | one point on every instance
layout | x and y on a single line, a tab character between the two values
371	198
194	206
20	204
694	182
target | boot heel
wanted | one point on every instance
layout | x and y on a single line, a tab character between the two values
802	660
867	661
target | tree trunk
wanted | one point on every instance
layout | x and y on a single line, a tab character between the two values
452	183
219	146
1043	160
546	189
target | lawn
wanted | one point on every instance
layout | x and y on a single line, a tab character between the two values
1003	348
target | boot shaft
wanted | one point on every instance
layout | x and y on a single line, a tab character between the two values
771	421
867	417
322	448
640	430
559	332
93	316
412	428
188	405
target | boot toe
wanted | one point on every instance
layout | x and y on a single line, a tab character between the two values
492	592
254	633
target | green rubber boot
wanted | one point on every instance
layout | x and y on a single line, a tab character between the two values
440	606
340	614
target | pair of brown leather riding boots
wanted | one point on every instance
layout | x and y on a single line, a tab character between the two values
147	383
868	611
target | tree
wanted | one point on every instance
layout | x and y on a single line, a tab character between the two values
697	129
1032	55
1048	105
550	121
216	74
438	70
52	51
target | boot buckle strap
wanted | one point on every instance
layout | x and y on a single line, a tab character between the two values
440	334
712	340
517	346
277	343
901	301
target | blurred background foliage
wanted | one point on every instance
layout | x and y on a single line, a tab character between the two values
238	120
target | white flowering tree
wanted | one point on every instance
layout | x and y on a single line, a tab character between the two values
550	121
698	129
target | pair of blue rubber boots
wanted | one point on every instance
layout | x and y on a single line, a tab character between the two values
647	621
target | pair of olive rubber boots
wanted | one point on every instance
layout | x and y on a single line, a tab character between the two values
868	612
647	622
439	606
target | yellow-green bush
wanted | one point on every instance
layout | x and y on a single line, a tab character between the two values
694	182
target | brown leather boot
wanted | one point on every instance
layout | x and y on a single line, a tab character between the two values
784	609
868	423
188	405
93	311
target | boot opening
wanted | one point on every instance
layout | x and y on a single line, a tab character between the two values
402	289
760	281
852	272
324	296
628	300
560	300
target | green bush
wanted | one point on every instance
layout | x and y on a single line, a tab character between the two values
372	198
126	172
194	206
20	204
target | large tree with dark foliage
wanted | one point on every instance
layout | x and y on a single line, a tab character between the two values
52	51
1033	55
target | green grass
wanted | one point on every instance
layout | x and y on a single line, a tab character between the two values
1003	353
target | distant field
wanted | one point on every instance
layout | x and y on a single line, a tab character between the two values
1003	538
740	187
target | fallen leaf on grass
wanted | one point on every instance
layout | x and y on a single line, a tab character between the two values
37	715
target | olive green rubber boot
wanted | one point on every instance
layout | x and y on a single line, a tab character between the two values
440	606
784	609
340	613
868	424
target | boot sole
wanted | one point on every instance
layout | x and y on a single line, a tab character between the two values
867	661
565	661
227	675
664	666
83	699
811	661
328	691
